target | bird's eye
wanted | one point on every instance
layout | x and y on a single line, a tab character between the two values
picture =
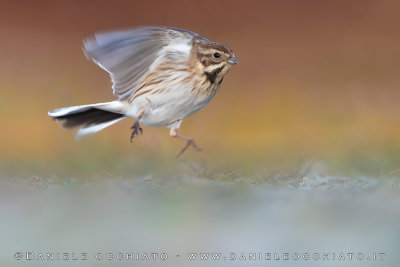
216	55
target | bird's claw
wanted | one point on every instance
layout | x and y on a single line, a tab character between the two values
189	143
136	129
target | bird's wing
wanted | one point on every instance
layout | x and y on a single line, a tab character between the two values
130	55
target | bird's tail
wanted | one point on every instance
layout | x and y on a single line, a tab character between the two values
90	118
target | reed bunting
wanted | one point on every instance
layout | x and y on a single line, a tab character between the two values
160	75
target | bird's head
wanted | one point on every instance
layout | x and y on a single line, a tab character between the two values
215	60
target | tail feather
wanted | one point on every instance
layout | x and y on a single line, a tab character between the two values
89	130
90	118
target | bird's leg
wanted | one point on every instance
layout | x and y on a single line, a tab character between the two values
135	130
189	141
136	126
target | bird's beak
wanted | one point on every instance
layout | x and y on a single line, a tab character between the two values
233	60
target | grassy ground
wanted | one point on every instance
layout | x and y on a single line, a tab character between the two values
196	209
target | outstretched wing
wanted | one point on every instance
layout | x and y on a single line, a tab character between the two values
130	55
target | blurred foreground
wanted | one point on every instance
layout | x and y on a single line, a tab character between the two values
196	212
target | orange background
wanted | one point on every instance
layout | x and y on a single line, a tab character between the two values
316	80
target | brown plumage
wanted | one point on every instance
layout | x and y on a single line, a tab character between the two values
160	75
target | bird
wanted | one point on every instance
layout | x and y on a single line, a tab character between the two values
160	75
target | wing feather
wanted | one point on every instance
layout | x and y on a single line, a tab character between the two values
130	55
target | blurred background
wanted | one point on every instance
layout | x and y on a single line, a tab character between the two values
317	80
301	146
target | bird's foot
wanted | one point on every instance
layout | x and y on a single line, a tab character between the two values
189	143
136	129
